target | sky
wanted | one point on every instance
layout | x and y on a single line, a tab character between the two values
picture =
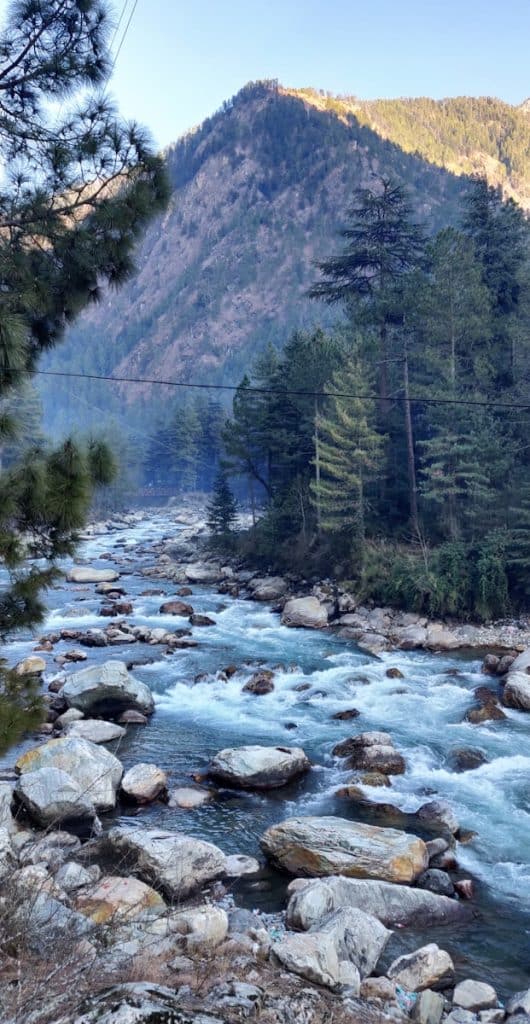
181	58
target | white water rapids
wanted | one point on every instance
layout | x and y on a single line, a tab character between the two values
423	712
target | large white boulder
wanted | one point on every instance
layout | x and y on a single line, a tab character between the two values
86	574
517	690
95	770
305	611
203	572
143	783
107	689
94	729
314	847
175	863
256	767
313	899
114	899
51	797
521	663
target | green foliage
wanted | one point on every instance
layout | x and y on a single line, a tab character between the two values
221	512
21	706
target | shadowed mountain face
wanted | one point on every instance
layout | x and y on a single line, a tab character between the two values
260	191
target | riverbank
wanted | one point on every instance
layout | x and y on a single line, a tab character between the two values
203	702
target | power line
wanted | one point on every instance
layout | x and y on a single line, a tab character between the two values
125	31
487	403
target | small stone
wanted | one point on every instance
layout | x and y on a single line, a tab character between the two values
189	797
260	683
438	813
394	673
436	881
381	989
428	967
237	865
201	620
474	996
436	846
345	716
131	717
460	1016
176	608
492	1016
465	888
144	783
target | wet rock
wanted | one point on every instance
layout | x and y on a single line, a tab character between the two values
517	689
92	638
474	996
394	673
372	751
176	608
52	797
436	881
256	767
190	797
201	620
438	814
345	716
305	611
144	783
505	664
95	770
314	846
490	665
75	655
131	717
485	696
486	713
428	967
110	590
465	888
376	779
364	739
107	689
115	899
95	730
466	759
260	683
393	905
237	865
86	574
175	863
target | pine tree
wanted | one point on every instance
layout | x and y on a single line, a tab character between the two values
77	190
350	457
222	511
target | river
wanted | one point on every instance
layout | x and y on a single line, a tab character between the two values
423	712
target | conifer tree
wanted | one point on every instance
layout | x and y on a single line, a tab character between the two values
77	189
222	511
350	457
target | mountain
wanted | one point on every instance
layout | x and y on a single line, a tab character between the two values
259	193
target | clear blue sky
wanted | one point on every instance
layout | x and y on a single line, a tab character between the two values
182	58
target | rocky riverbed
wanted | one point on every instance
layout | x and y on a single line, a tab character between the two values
262	799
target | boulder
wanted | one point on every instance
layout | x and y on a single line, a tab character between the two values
379	989
52	797
270	588
364	739
393	905
315	846
131	717
429	1007
312	956
486	713
189	797
474	996
386	760
260	683
439	815
143	783
86	574
237	865
95	770
201	620
520	1002
436	881
175	863
94	729
107	689
72	876
32	666
72	715
517	688
203	572
410	637
521	663
428	967
358	937
466	759
176	608
255	767
201	928
52	850
115	899
305	611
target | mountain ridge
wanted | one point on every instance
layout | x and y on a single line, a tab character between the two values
259	194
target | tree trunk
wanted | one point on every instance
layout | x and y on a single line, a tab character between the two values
411	461
317	472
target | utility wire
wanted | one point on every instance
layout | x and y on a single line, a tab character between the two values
489	403
124	35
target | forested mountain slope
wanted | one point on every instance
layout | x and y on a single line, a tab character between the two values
260	190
